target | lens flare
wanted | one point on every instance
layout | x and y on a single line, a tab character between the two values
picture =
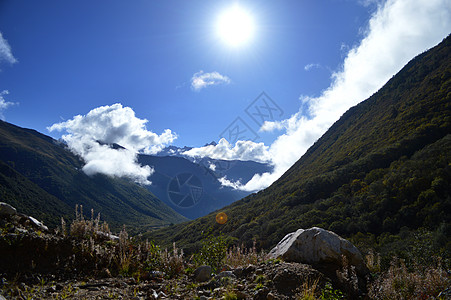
221	218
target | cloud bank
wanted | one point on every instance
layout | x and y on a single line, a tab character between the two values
4	104
5	51
108	138
202	80
397	31
243	150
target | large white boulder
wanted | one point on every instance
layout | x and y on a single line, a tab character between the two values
318	246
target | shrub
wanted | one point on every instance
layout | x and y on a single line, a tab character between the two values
212	253
172	263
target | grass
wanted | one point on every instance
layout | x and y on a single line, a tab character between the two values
241	256
95	255
420	282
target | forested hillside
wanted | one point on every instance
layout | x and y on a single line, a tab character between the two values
382	168
40	177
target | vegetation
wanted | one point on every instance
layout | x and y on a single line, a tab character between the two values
40	177
87	249
380	176
212	253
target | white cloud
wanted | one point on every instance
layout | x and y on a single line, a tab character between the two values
269	126
91	136
397	31
212	166
4	104
225	182
5	51
202	80
243	150
311	66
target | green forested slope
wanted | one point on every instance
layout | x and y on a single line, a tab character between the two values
385	165
42	178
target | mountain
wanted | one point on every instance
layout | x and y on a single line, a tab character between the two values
41	177
382	168
191	187
177	151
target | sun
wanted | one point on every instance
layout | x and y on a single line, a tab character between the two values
235	26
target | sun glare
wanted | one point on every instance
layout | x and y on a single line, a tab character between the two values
235	26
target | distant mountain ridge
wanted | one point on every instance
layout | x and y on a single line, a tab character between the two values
191	186
41	177
383	166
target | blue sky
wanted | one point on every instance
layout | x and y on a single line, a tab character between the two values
164	61
74	56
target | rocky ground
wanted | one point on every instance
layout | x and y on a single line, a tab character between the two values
85	261
270	280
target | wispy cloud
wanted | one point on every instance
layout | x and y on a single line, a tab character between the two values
91	136
397	31
5	51
311	66
202	80
4	104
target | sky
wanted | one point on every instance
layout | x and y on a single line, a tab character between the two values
263	79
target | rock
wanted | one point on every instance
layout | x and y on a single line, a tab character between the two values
227	268
7	210
211	285
249	269
107	236
238	272
225	274
270	296
241	295
244	272
153	275
286	281
202	274
161	295
38	224
105	273
261	294
317	246
153	294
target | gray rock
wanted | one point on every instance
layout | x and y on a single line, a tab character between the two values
7	210
270	296
241	295
38	224
202	274
286	281
318	246
225	274
261	294
153	294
